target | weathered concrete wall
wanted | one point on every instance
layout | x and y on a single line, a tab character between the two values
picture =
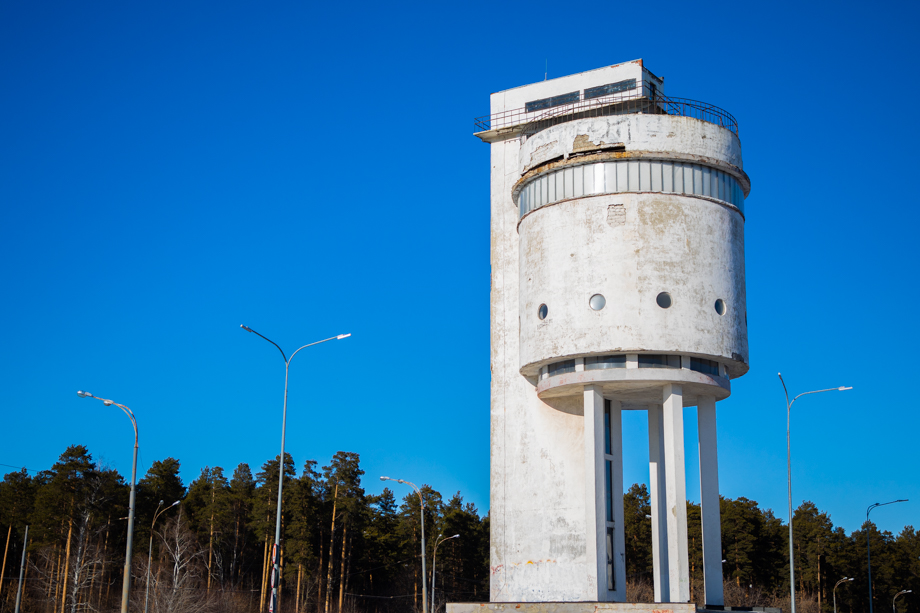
537	486
692	139
689	247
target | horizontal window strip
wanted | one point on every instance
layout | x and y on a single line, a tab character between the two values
645	360
624	176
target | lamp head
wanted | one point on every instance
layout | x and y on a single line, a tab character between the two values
174	504
455	536
849	578
83	394
842	388
341	336
161	503
107	403
247	328
385	479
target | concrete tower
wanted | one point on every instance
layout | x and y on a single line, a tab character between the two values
617	284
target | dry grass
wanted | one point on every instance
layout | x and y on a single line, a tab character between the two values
642	590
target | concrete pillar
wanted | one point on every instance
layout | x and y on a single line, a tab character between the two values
709	502
676	488
658	498
595	512
614	455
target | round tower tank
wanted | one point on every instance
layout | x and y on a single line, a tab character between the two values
632	242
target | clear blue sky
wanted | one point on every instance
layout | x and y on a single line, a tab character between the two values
169	172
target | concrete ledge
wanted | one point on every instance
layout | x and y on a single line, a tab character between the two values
570	607
640	386
597	607
710	608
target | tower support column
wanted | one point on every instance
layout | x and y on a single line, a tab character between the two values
605	537
658	499
676	488
709	502
595	540
615	533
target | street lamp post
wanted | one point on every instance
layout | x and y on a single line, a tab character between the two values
422	511
893	610
129	550
844	580
434	563
789	474
150	551
22	566
868	548
276	570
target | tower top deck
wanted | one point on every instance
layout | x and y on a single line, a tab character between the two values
628	87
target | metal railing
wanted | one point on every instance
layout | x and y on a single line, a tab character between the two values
644	99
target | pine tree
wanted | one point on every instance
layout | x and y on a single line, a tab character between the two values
208	508
264	515
241	494
342	479
17	497
638	533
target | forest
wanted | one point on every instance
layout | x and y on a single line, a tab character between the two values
345	551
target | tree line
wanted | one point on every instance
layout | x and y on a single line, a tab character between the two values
755	553
342	549
345	551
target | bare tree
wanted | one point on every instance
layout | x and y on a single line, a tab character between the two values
180	586
84	568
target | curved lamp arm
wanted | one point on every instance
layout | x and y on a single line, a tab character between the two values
446	538
157	515
881	504
288	359
108	402
410	484
830	389
844	580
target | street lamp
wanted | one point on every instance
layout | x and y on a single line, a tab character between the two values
789	474
844	580
868	549
896	597
276	572
126	584
422	505
434	563
150	552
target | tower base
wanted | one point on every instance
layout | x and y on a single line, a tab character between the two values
594	607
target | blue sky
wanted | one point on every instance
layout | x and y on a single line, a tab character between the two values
170	172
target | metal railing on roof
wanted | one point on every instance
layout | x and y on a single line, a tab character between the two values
644	99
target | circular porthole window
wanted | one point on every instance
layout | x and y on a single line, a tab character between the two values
720	306
542	312
597	302
664	300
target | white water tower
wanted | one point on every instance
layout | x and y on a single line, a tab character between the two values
617	284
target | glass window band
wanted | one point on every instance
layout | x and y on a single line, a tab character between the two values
619	176
559	368
709	367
